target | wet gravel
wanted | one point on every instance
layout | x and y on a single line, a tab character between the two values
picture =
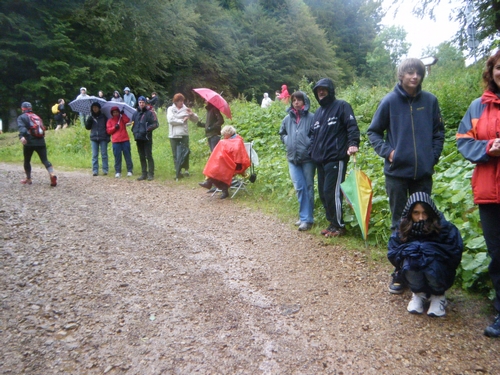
114	276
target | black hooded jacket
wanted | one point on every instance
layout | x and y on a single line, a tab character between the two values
96	123
334	128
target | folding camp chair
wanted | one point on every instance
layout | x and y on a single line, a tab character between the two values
240	182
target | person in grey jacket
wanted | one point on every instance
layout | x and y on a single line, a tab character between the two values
407	131
99	138
129	98
294	133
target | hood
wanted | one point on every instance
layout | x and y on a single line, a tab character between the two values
266	95
307	103
115	108
490	97
116	93
284	88
328	83
419	197
126	89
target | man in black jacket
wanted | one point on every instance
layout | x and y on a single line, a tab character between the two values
334	137
144	122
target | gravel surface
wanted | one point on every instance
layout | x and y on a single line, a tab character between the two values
115	276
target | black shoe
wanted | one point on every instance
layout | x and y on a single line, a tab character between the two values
151	178
94	174
224	194
493	330
207	184
212	190
397	285
141	178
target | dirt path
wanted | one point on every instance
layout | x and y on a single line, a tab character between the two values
111	276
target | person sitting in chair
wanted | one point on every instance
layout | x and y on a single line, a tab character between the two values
228	158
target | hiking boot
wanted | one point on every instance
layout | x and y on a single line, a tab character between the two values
437	306
53	180
129	174
26	181
416	305
397	285
337	232
151	178
493	330
118	175
206	184
297	223
94	174
305	226
225	194
141	178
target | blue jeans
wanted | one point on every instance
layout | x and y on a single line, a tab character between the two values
424	282
120	148
103	145
212	142
83	118
302	176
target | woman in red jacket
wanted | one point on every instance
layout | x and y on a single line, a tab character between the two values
116	127
478	140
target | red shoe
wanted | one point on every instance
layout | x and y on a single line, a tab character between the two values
53	180
26	181
337	232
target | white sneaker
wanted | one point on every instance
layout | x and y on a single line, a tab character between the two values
416	305
298	223
118	175
438	305
129	174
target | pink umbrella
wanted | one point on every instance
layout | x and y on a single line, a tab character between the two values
215	99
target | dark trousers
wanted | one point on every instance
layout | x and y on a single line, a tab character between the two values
399	189
173	144
330	176
212	142
490	221
28	153
120	148
145	149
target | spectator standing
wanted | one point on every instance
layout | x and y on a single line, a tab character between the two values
99	138
129	98
116	97
60	116
266	101
101	94
284	96
83	94
153	101
334	137
294	133
407	131
144	122
116	126
478	140
213	125
32	143
427	249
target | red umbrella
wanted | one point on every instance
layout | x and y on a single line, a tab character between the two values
215	99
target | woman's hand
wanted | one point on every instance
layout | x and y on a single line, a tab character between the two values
23	140
495	148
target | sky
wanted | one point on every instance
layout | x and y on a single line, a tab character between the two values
422	33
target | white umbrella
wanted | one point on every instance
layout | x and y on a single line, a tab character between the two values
83	105
106	109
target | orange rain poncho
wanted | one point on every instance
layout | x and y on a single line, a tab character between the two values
225	158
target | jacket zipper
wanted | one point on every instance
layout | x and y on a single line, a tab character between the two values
414	141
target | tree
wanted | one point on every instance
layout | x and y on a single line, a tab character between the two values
389	47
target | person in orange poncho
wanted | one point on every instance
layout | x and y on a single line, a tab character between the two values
228	158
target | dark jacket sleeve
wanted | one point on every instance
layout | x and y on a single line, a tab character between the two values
378	126
23	126
152	121
352	126
438	133
89	122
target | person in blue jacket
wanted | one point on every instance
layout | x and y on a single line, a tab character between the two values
408	133
427	249
294	133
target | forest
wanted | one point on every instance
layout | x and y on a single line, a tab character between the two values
243	48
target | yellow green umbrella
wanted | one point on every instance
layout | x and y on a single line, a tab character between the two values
357	189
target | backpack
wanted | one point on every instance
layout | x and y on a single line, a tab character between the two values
36	129
55	109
